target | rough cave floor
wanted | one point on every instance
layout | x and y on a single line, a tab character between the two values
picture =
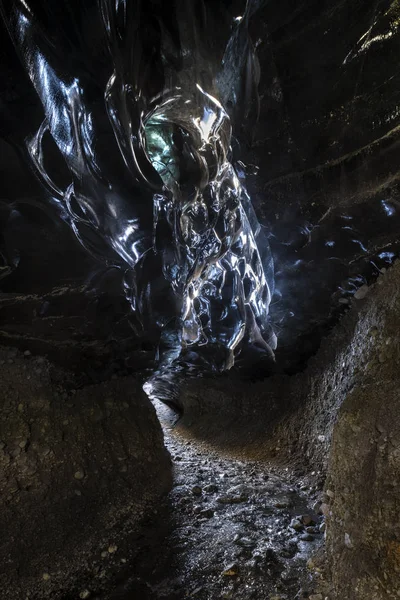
240	529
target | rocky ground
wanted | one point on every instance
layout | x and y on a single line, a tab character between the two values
242	529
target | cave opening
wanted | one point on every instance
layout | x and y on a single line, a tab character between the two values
199	300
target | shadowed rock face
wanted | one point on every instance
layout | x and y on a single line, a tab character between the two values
75	489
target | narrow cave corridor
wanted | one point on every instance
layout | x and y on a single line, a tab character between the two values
199	300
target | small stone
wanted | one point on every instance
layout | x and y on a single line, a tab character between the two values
27	353
307	520
324	509
322	528
312	530
207	514
85	594
330	494
316	507
104	554
20	408
347	541
231	499
211	488
23	444
310	564
196	490
231	571
245	542
296	525
316	597
79	475
361	292
306	537
112	549
281	504
45	576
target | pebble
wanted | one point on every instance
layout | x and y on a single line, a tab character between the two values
361	292
79	475
307	520
112	549
347	541
316	597
211	488
306	537
296	525
231	499
207	513
281	504
45	576
324	509
196	490
84	594
231	571
27	353
322	528
312	530
316	507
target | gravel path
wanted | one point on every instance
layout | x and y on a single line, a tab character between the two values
240	529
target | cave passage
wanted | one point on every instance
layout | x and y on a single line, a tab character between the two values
199	300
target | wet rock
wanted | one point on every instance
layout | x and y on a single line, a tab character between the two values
307	520
207	513
196	490
312	530
211	488
306	537
296	525
231	570
232	499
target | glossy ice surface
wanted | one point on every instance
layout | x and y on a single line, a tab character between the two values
147	146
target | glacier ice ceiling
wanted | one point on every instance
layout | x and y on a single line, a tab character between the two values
134	97
185	144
